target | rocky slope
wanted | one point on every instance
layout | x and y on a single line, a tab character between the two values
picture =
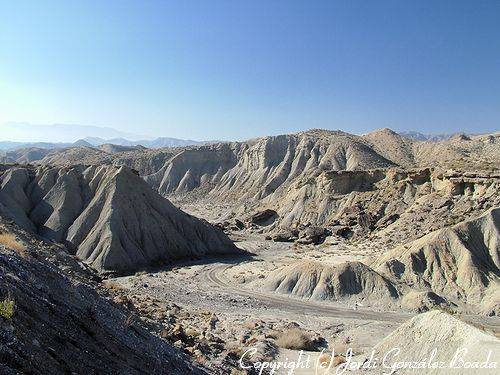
475	152
268	164
472	153
109	216
461	262
380	206
61	324
113	149
326	178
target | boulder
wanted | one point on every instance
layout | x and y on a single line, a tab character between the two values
264	217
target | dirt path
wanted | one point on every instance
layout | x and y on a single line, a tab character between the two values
215	276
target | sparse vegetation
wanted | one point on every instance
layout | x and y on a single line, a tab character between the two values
295	339
10	241
7	307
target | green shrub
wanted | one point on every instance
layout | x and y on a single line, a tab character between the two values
7	308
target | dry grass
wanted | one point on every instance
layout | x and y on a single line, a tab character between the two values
129	320
295	339
272	334
341	348
10	241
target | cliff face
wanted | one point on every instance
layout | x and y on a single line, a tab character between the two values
109	216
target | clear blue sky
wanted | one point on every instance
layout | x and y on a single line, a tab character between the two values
238	69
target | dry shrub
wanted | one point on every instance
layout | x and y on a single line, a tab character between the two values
250	324
191	332
121	300
272	334
295	339
337	361
324	360
235	349
342	348
10	241
113	285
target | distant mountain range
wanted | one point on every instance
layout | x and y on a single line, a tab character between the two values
43	136
26	132
96	141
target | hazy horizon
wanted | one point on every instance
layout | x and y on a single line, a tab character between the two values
68	133
197	70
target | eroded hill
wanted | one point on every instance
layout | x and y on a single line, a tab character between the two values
108	216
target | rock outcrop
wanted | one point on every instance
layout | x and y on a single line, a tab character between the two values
109	216
363	184
390	203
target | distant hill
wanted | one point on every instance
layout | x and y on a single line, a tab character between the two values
11	146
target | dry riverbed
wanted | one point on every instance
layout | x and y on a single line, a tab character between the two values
210	309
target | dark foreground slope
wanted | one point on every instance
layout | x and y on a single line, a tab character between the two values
62	325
